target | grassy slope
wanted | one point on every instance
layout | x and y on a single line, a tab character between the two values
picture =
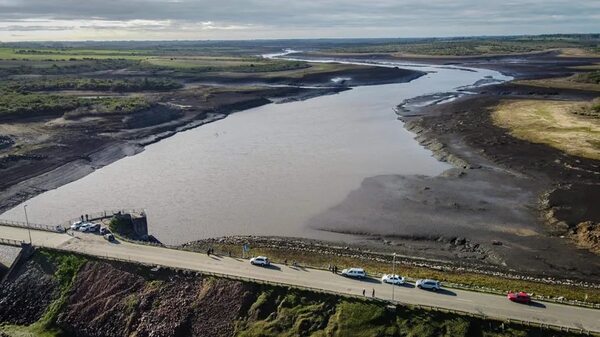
283	312
66	267
588	81
552	123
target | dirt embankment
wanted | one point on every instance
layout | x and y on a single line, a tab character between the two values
160	304
117	299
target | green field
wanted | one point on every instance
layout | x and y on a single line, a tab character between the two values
576	45
67	54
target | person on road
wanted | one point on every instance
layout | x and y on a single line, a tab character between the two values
363	292
373	295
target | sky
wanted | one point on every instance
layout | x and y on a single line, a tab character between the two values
28	20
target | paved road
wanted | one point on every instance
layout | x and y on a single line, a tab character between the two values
490	305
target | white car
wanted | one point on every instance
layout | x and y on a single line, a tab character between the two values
429	284
85	227
392	279
75	226
262	261
354	272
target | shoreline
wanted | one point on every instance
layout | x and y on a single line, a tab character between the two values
491	202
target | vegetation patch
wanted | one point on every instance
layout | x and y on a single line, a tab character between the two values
302	313
467	46
553	123
115	85
64	268
587	81
592	77
17	104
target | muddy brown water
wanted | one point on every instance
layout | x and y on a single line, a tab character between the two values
263	171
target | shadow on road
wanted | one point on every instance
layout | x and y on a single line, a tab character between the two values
406	285
442	291
273	267
366	279
446	292
214	257
537	304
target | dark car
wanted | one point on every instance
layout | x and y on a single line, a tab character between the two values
519	297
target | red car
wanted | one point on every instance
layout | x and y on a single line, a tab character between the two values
519	297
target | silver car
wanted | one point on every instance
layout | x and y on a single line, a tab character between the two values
354	272
392	279
429	284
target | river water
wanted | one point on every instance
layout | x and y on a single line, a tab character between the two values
263	171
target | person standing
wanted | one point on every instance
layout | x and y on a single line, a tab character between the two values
363	292
373	295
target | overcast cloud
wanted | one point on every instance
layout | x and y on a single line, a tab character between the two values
237	19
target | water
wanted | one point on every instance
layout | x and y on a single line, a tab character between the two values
263	171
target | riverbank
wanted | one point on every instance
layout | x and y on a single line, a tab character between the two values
496	200
44	153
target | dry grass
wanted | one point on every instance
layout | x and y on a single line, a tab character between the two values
560	83
551	123
577	52
202	61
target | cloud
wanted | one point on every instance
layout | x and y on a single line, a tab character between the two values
231	19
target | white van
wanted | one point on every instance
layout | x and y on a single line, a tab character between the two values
354	272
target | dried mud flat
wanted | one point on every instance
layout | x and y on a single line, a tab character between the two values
492	209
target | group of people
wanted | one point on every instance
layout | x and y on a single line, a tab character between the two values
210	251
372	294
294	263
332	268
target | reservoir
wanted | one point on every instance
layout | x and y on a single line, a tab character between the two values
262	171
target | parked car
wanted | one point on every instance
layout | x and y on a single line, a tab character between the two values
94	228
109	237
75	226
429	284
392	279
85	227
104	231
260	261
354	272
519	297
